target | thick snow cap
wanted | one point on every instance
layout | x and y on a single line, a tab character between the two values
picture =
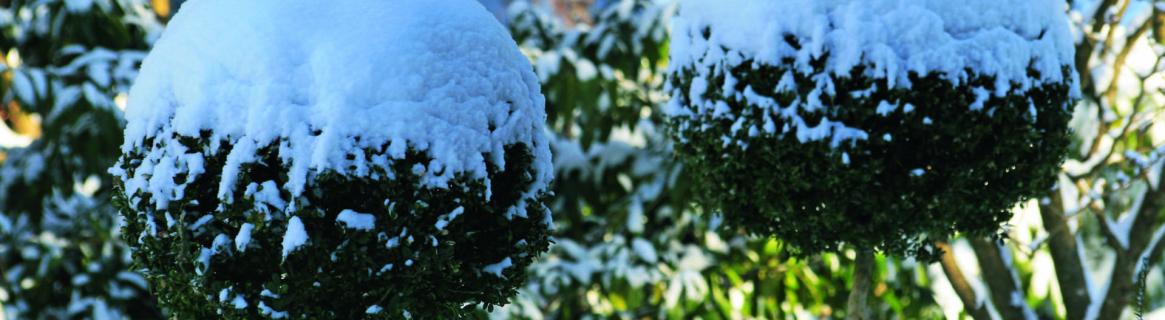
1000	38
324	79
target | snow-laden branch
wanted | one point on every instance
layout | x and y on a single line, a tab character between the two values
1006	294
1152	252
1143	238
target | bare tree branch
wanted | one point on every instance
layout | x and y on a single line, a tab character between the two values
1069	269
959	282
1121	57
1156	247
1121	284
1000	278
1116	20
1110	236
1087	45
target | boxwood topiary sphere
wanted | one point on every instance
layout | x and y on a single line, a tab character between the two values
880	124
334	159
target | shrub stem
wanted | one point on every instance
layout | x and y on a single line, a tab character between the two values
863	277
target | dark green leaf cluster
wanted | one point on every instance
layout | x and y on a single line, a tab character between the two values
59	251
405	265
921	175
603	78
609	194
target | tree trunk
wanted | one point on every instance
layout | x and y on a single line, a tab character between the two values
1066	259
863	277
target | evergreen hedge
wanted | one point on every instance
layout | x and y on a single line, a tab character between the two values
941	161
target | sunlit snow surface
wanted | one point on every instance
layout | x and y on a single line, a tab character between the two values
295	236
997	38
431	75
356	220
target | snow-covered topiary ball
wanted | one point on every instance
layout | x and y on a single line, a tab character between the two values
334	159
879	123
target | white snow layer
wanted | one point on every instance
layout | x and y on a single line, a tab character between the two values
497	268
243	238
444	220
322	80
294	237
1000	38
356	220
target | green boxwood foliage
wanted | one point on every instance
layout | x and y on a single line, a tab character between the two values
387	162
929	168
405	265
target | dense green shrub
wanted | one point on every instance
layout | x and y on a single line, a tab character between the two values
284	172
792	147
191	252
